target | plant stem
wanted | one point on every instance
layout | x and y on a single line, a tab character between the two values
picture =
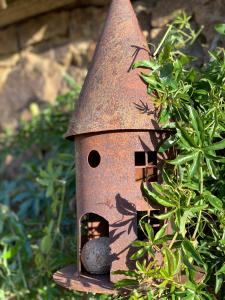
197	35
163	40
173	240
201	180
197	225
21	272
61	207
201	191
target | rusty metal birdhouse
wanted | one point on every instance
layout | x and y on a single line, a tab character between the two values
116	138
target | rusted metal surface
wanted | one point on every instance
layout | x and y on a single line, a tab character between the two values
111	129
67	277
113	96
110	190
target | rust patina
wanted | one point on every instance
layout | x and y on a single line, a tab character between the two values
113	96
114	119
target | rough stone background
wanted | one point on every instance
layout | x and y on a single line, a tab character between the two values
36	53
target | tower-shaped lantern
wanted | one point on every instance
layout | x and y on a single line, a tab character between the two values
116	140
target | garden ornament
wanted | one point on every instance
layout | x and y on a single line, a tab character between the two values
116	136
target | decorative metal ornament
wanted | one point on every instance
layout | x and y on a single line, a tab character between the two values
117	137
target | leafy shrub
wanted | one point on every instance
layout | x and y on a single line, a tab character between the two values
187	254
37	220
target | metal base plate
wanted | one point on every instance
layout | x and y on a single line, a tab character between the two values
88	283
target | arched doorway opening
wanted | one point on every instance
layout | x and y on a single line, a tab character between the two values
94	244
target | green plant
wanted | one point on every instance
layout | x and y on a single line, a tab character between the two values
35	225
185	261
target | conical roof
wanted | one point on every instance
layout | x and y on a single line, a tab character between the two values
113	96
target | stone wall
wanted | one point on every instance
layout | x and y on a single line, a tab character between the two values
36	53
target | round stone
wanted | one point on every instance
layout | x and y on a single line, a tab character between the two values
95	256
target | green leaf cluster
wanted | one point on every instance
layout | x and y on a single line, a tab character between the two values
185	258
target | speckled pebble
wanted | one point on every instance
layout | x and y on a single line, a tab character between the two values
95	256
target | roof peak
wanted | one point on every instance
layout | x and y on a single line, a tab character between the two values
113	93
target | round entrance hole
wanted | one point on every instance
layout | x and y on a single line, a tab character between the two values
94	158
